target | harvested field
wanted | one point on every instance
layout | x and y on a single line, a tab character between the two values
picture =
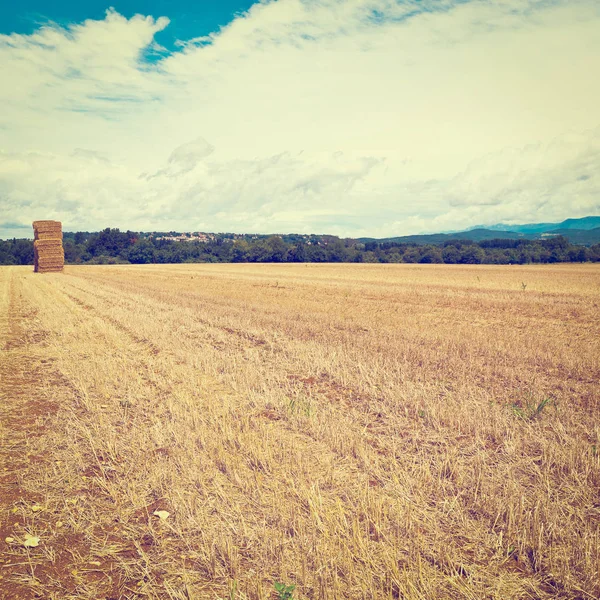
360	431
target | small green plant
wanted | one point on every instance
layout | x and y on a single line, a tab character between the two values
531	411
523	286
284	592
300	406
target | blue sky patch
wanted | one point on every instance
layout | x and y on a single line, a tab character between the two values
189	18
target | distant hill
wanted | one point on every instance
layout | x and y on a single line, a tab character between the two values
585	231
585	223
475	235
529	228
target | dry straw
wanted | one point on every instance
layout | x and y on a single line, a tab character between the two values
48	250
365	432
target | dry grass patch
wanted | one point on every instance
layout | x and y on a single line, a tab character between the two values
359	431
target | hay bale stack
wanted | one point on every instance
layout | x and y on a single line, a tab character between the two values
48	253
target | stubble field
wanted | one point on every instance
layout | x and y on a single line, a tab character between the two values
359	431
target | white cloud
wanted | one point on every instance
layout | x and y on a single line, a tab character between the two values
347	116
539	182
193	187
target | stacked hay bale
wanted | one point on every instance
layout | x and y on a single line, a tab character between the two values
48	253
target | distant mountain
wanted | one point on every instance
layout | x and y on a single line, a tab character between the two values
527	228
585	223
585	231
475	235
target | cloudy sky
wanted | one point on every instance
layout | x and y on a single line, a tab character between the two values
349	117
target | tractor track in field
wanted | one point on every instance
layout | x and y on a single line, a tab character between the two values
25	371
367	410
29	418
109	294
323	386
153	348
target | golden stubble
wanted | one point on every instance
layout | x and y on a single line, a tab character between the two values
361	431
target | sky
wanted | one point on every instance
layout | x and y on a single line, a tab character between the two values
349	117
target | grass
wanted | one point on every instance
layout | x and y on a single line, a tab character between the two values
341	429
531	410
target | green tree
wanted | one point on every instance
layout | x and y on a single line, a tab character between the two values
451	255
298	253
431	254
241	251
142	252
278	249
472	255
336	251
260	251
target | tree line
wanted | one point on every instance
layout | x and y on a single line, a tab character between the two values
112	246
